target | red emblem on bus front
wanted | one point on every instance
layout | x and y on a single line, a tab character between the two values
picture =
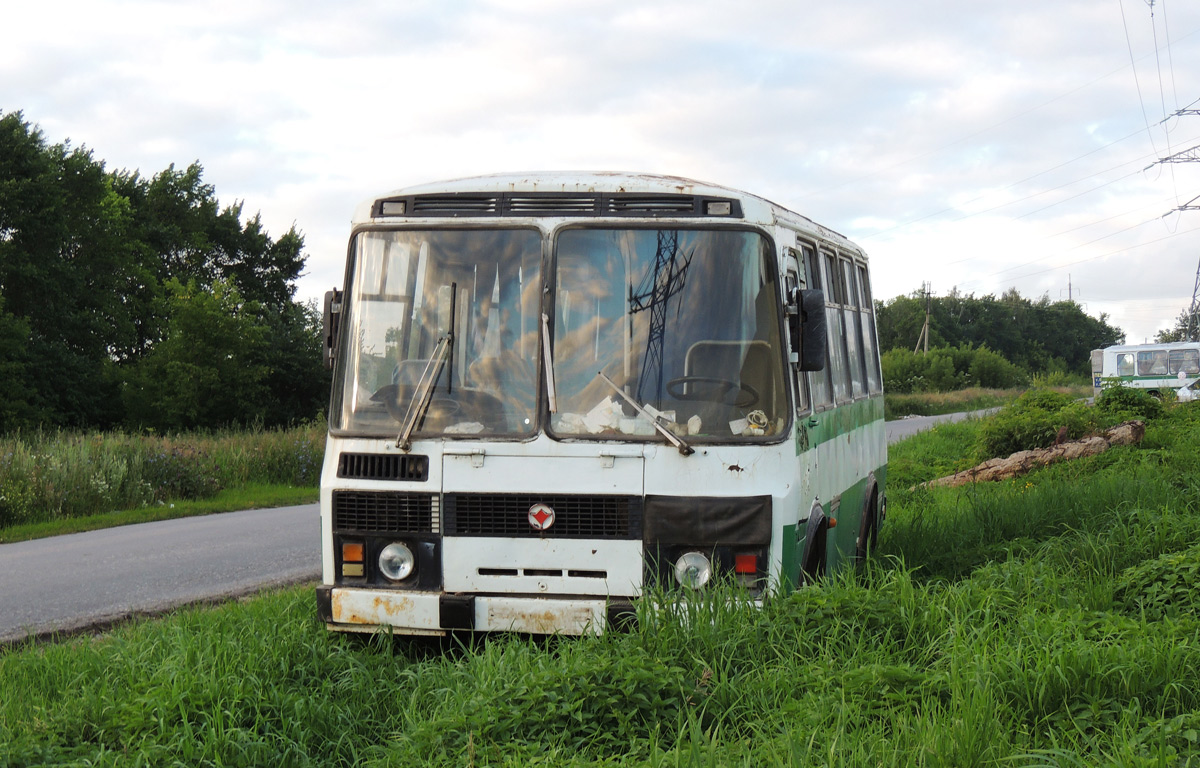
541	517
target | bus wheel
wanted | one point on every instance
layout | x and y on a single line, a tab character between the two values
814	563
868	531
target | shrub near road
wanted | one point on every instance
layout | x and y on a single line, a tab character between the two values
1045	621
60	475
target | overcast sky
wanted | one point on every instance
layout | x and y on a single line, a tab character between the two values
982	146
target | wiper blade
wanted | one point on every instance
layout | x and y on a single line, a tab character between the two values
548	355
673	438
424	394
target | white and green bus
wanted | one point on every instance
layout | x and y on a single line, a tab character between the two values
555	391
1157	368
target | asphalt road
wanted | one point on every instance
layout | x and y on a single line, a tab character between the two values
86	580
83	580
902	428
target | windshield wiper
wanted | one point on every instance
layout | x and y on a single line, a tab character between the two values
673	438
424	394
548	355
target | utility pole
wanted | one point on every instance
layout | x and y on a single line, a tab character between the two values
1190	155
925	289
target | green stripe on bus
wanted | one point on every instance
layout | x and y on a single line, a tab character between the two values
823	426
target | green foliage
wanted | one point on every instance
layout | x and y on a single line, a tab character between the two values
1123	403
947	369
135	301
1036	337
49	476
1162	588
1045	621
1034	420
205	371
1187	324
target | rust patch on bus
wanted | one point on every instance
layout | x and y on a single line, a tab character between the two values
349	610
540	621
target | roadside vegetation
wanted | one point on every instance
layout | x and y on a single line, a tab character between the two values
58	482
1046	621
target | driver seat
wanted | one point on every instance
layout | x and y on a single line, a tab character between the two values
742	361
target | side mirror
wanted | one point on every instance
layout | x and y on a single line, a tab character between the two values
812	330
331	323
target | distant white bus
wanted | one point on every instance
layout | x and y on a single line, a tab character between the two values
1157	368
554	391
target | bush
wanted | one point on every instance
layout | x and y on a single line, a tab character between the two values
1034	420
1161	588
48	476
946	369
989	369
1123	403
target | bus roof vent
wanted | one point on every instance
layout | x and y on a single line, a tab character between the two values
453	205
458	204
556	204
552	205
652	204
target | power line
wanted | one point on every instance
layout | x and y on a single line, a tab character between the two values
1133	66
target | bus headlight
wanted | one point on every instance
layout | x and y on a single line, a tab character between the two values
693	570
396	561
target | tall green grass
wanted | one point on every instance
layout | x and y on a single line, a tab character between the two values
1050	621
58	475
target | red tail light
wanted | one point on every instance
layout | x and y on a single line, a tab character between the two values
745	563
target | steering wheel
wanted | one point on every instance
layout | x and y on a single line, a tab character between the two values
463	404
713	390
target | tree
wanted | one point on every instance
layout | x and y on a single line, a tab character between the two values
1183	324
208	371
18	397
1038	336
297	384
63	250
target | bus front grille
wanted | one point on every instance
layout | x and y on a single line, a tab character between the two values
575	517
383	466
385	512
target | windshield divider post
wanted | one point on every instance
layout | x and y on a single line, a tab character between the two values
450	337
548	356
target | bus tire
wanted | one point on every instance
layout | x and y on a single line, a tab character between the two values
814	562
868	530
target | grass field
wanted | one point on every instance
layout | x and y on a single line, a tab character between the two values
1046	621
61	482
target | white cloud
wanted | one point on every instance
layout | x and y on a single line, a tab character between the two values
985	146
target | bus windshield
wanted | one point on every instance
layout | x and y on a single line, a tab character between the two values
478	289
684	321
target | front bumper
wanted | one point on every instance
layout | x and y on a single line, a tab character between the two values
434	613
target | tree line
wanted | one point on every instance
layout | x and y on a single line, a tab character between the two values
140	302
986	341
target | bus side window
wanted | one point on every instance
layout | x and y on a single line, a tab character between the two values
835	296
1125	364
822	382
854	331
793	282
1152	363
1185	361
870	340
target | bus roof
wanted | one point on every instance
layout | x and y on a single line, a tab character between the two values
755	208
1148	347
